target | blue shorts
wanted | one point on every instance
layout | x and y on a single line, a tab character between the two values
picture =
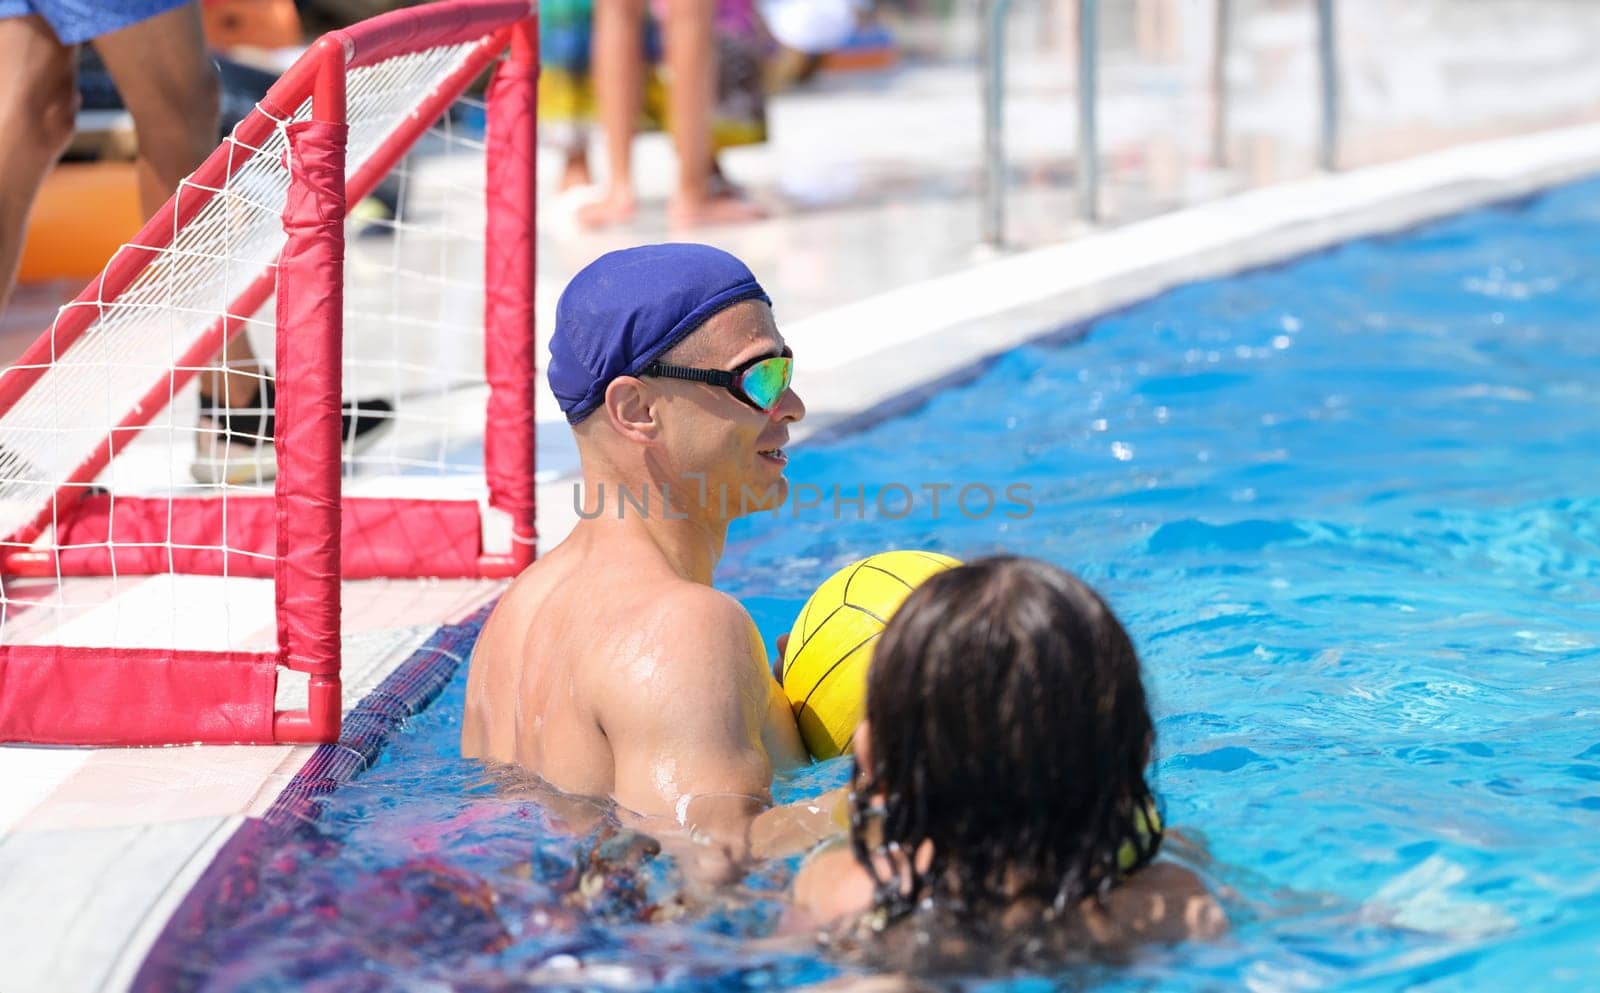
78	21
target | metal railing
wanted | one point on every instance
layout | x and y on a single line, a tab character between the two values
1328	75
1088	126
993	179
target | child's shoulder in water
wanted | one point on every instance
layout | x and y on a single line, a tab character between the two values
1162	902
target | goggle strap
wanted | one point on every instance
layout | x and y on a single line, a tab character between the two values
715	377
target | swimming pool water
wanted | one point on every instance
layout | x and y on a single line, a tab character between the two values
1349	509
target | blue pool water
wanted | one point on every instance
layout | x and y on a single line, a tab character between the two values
1350	511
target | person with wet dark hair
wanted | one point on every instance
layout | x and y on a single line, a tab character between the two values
1000	814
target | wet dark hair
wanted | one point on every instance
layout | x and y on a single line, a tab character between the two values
1008	729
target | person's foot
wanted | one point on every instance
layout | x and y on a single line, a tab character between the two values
607	211
719	185
235	444
711	210
575	172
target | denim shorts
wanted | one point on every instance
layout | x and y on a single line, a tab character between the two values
77	21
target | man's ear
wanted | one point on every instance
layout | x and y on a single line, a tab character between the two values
630	406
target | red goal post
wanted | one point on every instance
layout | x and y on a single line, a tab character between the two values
324	137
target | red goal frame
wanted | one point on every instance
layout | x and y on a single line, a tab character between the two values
136	696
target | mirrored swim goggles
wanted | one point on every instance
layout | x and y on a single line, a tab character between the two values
760	383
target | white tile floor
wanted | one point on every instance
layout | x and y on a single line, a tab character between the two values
98	846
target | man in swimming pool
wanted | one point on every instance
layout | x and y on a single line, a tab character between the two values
611	667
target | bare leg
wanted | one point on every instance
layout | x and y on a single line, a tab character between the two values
618	61
167	82
575	169
38	113
692	61
719	185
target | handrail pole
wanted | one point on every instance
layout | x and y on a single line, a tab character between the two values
993	176
1219	84
1328	71
1088	134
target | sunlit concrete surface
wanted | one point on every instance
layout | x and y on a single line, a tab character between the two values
99	846
871	255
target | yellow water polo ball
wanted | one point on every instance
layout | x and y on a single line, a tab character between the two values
830	647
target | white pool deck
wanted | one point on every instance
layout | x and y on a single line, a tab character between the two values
98	846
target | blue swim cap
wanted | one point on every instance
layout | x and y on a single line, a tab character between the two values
626	308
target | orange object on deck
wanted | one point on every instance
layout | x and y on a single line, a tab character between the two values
860	59
251	23
85	211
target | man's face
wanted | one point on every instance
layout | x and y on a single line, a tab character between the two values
706	429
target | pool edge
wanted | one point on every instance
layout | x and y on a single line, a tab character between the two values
406	691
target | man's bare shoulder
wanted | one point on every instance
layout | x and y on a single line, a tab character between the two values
682	705
705	605
708	648
686	669
693	636
686	615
